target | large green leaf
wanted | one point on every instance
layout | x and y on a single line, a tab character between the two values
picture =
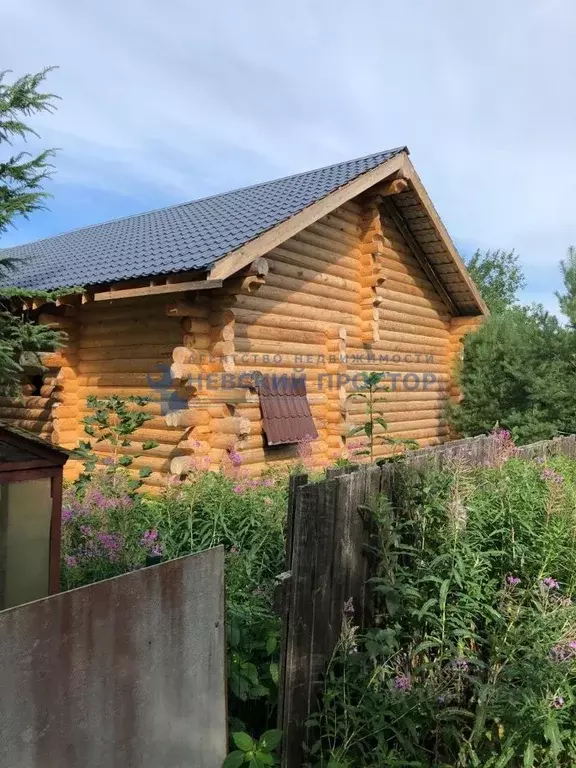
243	741
270	739
234	760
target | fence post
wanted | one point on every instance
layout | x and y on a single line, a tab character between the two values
298	627
328	566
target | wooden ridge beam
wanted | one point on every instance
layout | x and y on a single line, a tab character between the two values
389	209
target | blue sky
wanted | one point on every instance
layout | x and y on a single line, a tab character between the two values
166	102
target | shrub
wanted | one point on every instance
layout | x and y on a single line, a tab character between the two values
472	657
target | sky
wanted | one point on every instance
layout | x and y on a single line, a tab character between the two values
167	102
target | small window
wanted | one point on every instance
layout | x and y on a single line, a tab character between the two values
285	410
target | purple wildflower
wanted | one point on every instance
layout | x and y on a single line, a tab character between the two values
304	447
502	435
557	702
549	583
459	665
559	653
348	609
553	477
86	530
111	542
157	550
268	482
149	538
238	489
70	561
513	581
235	458
402	683
66	515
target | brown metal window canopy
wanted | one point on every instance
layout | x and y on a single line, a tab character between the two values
285	410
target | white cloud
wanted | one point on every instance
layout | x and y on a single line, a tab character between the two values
188	98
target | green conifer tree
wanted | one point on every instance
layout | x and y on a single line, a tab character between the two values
22	176
567	300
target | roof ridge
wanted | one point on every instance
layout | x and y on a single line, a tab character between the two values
207	197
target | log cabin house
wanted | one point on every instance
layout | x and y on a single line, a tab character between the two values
327	273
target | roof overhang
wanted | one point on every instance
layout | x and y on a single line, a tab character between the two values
439	252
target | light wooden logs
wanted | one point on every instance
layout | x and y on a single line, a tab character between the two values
341	220
262	455
26	414
184	308
181	465
191	417
332	245
291	323
337	235
306	307
298	298
332	262
312	277
233	425
303	288
332	268
246	284
196	326
144	351
138	328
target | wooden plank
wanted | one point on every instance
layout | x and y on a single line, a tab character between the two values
295	690
326	631
153	290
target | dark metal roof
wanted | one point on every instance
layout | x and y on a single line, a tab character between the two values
286	415
19	446
182	237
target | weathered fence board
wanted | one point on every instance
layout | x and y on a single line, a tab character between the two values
329	540
328	566
125	673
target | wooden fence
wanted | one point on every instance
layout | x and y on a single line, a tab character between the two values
329	558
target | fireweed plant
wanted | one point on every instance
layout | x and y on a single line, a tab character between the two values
471	659
369	393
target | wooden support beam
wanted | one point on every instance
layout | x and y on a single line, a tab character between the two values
393	188
153	290
389	209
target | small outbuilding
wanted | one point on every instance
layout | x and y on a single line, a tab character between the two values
30	511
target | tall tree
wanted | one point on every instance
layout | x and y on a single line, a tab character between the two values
22	176
567	300
499	278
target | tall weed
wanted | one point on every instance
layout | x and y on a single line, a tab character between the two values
472	658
